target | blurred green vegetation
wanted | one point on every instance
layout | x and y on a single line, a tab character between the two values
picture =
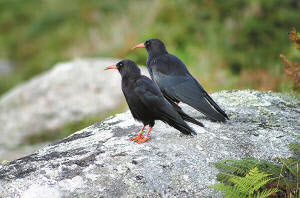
226	44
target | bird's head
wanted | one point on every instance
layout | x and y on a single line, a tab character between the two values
153	46
126	68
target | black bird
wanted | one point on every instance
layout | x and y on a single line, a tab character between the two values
175	81
147	103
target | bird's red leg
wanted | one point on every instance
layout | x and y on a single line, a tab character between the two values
146	138
140	135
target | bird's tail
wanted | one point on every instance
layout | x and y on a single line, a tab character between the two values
171	116
178	123
181	126
212	102
186	117
191	120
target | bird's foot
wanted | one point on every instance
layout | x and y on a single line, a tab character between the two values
138	137
143	140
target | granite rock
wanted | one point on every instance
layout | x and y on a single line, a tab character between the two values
100	161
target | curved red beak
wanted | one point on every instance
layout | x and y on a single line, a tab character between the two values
111	67
141	45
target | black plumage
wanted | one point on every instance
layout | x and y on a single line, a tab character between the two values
147	103
176	82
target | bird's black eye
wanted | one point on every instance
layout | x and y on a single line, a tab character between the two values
120	64
147	43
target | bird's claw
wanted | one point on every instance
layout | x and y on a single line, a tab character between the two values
143	140
138	137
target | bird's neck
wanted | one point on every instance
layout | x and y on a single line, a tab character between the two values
152	58
127	78
157	53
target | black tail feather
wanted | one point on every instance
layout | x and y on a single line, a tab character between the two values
191	120
174	119
181	126
212	102
186	117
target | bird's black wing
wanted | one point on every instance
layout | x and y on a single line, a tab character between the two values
158	106
184	116
188	90
177	84
160	68
137	108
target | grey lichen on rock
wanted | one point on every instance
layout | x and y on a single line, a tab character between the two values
100	161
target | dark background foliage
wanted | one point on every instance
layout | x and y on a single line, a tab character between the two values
226	44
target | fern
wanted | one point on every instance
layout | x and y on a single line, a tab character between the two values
266	193
252	185
252	182
242	167
295	147
229	191
285	175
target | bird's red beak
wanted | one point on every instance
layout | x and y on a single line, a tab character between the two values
141	45
111	67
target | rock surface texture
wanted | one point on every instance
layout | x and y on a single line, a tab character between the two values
100	161
68	92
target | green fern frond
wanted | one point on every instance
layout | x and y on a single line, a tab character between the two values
229	191
257	179
295	147
242	167
251	185
235	193
252	182
224	177
290	164
266	193
285	174
261	184
227	166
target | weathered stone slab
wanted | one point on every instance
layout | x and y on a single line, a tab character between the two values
100	161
